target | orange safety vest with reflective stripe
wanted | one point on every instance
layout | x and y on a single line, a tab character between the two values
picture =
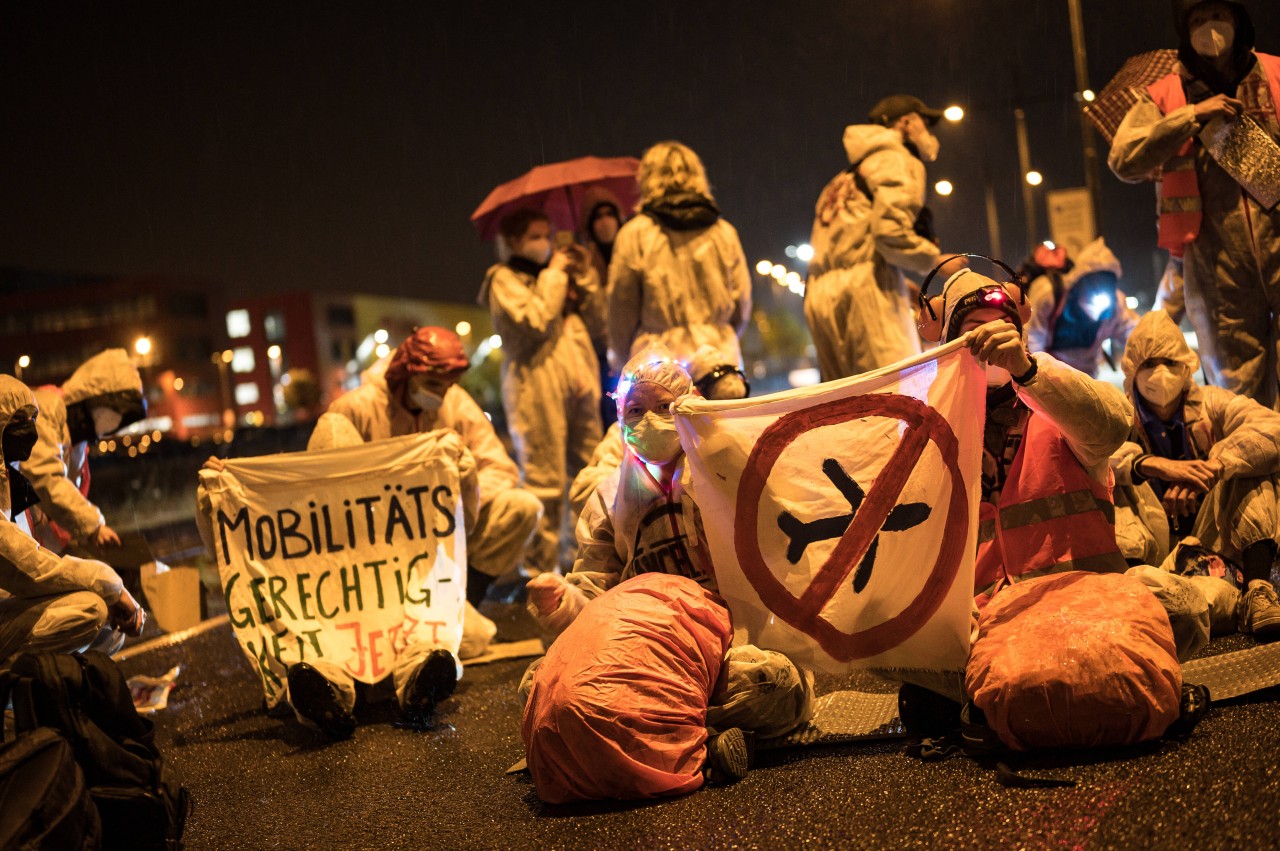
1051	516
1180	205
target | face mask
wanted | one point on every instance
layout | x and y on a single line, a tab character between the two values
927	145
654	438
106	421
536	251
1161	385
18	440
997	376
425	400
1213	39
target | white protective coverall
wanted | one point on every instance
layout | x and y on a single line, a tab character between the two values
856	301
58	463
47	602
1231	269
604	460
1241	509
683	288
508	515
550	383
1047	307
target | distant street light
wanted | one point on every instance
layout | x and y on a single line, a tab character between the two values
22	363
463	328
953	113
142	346
380	336
778	271
273	353
382	351
764	267
1088	95
943	187
1035	178
804	252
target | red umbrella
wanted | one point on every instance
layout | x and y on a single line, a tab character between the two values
556	189
1123	91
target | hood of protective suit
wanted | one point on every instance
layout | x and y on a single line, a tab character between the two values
1156	336
707	358
863	140
1241	47
654	364
333	431
103	374
14	396
1094	257
956	306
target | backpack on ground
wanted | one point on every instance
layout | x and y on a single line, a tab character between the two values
44	803
85	699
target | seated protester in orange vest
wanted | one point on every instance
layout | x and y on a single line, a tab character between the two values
638	521
1076	306
1229	243
1211	457
1050	431
418	391
48	602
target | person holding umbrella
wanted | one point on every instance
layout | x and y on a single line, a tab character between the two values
678	274
1229	244
544	305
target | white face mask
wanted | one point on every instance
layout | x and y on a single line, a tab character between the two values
536	251
1213	39
997	376
105	421
1161	385
425	400
654	438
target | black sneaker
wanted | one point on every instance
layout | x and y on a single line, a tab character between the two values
729	756
316	699
435	680
1259	612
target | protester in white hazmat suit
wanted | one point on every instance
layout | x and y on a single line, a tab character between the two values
865	235
102	396
417	393
678	274
1229	245
1075	311
714	376
1212	459
641	520
48	602
545	306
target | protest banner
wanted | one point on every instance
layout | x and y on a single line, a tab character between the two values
348	555
841	518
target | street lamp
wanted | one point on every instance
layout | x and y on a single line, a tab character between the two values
142	346
943	187
1035	178
22	363
764	267
463	328
953	113
804	252
380	336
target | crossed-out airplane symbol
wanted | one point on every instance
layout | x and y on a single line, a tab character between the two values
803	533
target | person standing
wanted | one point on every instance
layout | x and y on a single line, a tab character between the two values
602	217
678	274
1228	243
869	227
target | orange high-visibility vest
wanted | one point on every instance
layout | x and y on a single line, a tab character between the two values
1051	516
1180	205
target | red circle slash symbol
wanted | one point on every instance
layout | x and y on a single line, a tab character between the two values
924	425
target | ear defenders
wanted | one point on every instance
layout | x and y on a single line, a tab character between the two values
933	310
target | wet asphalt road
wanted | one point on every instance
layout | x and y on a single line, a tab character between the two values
260	782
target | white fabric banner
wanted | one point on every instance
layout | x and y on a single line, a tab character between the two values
347	555
842	518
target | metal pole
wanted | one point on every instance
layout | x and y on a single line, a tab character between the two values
1092	180
1024	166
993	221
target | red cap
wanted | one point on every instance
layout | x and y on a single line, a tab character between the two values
431	349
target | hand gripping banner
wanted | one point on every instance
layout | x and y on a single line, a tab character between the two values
842	518
347	555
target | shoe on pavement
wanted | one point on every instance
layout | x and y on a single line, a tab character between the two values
1259	612
435	680
315	699
729	756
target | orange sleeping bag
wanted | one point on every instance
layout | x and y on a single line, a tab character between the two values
618	708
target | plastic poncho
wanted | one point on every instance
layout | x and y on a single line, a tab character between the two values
1223	426
856	302
58	466
1231	270
683	288
550	381
1050	310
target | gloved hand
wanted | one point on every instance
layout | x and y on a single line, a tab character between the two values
126	615
554	603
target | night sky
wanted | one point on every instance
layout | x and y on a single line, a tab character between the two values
286	145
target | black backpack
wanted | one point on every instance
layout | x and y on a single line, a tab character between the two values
85	698
43	799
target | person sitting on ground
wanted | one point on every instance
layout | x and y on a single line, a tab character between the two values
1076	307
48	602
419	392
1211	458
714	376
101	397
641	520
